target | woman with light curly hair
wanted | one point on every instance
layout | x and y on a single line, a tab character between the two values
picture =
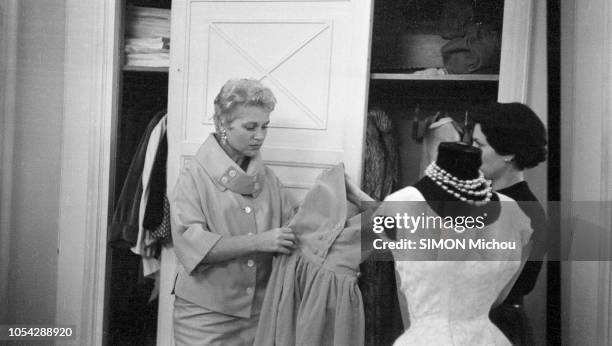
227	210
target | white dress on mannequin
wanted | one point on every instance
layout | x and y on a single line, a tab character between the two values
448	301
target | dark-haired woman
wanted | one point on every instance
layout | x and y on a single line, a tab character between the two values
512	138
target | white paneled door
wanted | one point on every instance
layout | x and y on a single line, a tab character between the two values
314	57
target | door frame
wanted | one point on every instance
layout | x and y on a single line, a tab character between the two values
516	50
90	107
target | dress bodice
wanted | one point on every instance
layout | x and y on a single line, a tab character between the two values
449	301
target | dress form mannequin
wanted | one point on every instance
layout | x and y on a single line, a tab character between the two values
447	290
463	162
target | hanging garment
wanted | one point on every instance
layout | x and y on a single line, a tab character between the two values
383	317
421	126
312	297
377	282
156	148
163	232
154	211
381	162
123	229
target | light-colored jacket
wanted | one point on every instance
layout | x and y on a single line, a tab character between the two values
215	198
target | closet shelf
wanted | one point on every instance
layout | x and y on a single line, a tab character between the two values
145	68
451	77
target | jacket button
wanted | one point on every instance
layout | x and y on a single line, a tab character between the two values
224	180
249	290
247	210
250	263
232	173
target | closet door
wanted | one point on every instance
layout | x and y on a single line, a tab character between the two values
314	57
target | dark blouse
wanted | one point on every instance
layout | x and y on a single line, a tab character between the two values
530	205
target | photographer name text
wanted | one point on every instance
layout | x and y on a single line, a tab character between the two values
444	244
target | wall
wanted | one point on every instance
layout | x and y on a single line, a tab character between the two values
537	91
537	99
586	164
8	62
34	204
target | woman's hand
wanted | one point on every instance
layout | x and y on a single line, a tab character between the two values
281	240
354	194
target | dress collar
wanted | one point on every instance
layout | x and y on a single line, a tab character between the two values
226	173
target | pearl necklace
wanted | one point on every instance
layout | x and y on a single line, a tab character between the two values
459	188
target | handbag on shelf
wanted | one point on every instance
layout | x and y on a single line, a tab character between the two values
476	52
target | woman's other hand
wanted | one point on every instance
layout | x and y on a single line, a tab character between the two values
354	194
281	240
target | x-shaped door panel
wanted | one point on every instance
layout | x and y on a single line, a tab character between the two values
292	58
